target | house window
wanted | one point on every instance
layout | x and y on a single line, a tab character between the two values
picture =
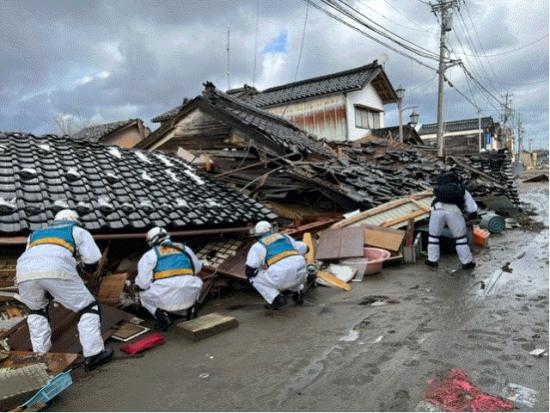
366	118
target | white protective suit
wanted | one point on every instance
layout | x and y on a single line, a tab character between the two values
170	294
449	214
52	268
287	274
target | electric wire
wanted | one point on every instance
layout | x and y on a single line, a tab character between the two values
302	42
364	33
367	21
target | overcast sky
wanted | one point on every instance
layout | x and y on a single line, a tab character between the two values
114	60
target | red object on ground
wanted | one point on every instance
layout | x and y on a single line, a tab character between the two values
147	342
456	393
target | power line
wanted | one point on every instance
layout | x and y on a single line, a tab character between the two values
419	50
364	33
525	46
393	21
302	42
483	72
480	46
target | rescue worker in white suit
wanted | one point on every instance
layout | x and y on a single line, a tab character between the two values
167	278
451	201
276	263
49	266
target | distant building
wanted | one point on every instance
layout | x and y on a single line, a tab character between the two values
410	135
342	106
462	136
125	134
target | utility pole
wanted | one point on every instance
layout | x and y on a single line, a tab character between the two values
445	8
520	137
506	114
479	128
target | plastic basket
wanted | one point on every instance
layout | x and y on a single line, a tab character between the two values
54	386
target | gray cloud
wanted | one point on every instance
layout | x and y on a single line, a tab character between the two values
111	60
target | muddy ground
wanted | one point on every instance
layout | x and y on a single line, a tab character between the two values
336	354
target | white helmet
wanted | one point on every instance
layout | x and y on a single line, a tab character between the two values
262	227
156	235
67	215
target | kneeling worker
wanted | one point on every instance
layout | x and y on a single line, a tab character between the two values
49	266
451	200
276	263
167	278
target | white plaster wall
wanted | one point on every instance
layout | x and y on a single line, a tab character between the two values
366	97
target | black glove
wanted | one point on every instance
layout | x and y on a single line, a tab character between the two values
87	268
472	215
250	272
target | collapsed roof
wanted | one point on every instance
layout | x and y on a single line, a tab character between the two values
114	190
308	165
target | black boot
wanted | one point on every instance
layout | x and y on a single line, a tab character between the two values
431	263
162	320
469	265
277	303
298	297
93	362
192	312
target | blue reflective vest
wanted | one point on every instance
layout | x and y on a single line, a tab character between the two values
59	233
172	261
278	247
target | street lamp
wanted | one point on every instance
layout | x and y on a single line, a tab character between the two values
414	118
400	95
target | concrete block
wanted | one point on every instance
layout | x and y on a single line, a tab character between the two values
206	326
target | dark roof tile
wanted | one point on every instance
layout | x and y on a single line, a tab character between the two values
104	206
97	133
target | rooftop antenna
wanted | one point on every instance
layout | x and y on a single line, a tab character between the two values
228	52
382	59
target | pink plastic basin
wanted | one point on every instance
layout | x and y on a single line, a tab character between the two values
376	258
371	264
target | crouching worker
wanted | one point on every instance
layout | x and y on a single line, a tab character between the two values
276	263
451	201
167	278
49	266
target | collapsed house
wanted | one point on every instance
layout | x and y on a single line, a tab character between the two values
271	158
124	133
487	174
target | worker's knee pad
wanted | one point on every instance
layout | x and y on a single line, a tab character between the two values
43	312
461	240
433	239
89	309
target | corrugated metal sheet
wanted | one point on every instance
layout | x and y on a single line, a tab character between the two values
397	212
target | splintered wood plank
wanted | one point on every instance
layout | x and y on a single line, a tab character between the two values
56	362
341	243
387	238
111	287
206	326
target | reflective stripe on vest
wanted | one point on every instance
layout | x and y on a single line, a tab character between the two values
278	247
172	261
59	233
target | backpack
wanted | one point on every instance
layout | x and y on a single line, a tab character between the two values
450	193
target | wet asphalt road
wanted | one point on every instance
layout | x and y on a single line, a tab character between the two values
336	354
